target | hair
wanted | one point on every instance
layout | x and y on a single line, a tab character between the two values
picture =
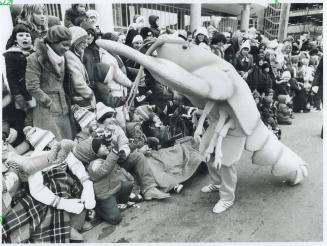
218	37
26	16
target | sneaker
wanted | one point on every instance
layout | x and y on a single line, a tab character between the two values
221	206
154	193
210	188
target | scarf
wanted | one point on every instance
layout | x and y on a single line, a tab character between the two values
57	61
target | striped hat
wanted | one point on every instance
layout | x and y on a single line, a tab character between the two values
83	116
38	138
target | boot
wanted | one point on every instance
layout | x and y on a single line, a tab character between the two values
154	193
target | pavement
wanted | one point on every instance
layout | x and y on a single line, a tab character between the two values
265	209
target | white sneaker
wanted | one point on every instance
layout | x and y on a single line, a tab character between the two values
221	206
210	188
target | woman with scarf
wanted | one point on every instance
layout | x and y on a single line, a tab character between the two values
79	84
19	48
34	17
45	74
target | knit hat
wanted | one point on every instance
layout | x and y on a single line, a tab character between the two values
58	33
37	137
286	75
246	44
103	109
201	30
77	33
82	116
137	38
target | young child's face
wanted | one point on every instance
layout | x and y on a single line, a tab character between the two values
80	8
257	100
267	69
103	150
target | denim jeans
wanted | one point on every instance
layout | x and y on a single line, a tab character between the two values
108	210
136	163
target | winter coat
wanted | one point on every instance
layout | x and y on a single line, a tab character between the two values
78	82
45	83
255	78
130	35
16	61
105	174
74	18
90	58
153	25
265	84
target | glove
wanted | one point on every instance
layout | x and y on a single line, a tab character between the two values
74	206
88	195
12	135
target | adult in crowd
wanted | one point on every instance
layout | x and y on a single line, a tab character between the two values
45	72
202	38
154	25
75	15
217	44
79	90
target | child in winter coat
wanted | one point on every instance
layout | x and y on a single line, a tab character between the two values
283	111
75	15
243	61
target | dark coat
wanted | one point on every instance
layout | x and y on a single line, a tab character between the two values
74	18
15	69
45	84
255	78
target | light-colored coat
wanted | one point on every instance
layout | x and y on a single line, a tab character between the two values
45	83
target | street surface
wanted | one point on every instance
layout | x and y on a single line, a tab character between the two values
265	209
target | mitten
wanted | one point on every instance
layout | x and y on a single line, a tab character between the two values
60	150
87	196
74	206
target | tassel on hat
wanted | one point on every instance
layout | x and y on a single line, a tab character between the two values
82	116
38	138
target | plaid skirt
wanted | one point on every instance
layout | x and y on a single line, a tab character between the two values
30	220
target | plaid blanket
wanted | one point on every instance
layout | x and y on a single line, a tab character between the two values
31	221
